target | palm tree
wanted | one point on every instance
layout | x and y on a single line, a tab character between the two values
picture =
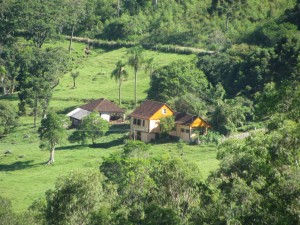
120	75
136	60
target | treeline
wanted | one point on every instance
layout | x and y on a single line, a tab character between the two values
206	24
246	82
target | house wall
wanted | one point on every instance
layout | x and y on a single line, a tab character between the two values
154	126
105	116
199	123
146	137
144	125
164	111
183	132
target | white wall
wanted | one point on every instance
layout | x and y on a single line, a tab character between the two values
105	116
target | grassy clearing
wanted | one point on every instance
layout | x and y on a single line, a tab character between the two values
23	175
95	80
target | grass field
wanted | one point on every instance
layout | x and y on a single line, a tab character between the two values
23	174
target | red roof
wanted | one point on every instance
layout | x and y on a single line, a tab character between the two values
147	109
102	105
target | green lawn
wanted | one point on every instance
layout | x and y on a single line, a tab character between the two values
23	174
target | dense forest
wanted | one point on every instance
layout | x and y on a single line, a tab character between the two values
248	79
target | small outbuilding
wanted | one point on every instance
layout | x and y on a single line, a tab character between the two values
106	109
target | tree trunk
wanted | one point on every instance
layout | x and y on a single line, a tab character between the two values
135	86
120	83
74	82
3	86
118	8
13	85
35	112
227	21
71	39
51	159
155	3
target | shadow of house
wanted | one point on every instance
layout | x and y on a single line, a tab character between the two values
107	110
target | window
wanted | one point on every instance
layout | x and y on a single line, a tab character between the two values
182	130
134	121
138	122
143	123
164	111
187	131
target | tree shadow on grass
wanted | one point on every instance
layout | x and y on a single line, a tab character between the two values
104	145
20	165
109	144
72	147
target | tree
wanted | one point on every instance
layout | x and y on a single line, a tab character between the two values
40	19
74	199
177	79
228	7
120	74
8	117
91	127
166	124
53	132
230	114
136	60
41	71
257	179
75	12
74	75
3	74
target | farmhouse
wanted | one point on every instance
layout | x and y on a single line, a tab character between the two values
107	110
186	125
144	122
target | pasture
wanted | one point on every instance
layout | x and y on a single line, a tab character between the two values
23	174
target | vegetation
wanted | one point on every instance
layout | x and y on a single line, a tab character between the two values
247	74
91	127
52	131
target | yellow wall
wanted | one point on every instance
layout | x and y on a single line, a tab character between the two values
159	114
199	123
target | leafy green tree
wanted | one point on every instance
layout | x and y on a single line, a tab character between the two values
40	19
41	71
228	8
250	171
190	104
120	74
177	79
91	127
52	131
293	15
75	12
74	75
230	114
166	124
9	217
136	60
74	199
8	117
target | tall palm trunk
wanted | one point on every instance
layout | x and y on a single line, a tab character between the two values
120	83
135	87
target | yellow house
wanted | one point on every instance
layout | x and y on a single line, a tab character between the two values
186	125
144	121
